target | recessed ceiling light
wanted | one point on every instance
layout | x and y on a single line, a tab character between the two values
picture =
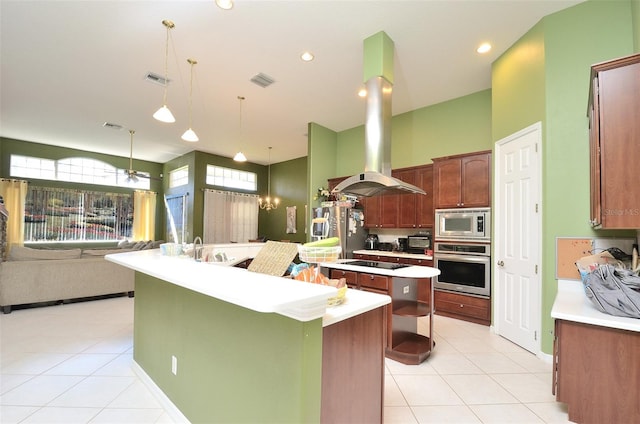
362	92
484	48
225	4
307	56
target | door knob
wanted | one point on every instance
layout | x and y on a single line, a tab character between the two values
500	263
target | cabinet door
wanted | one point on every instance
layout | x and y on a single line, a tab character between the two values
389	210
476	181
350	276
407	202
447	183
425	215
619	133
371	207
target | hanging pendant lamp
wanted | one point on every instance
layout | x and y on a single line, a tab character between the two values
240	157
190	135
268	203
164	114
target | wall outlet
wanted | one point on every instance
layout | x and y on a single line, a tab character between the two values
174	365
405	289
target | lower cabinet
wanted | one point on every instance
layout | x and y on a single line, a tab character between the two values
465	307
411	299
596	372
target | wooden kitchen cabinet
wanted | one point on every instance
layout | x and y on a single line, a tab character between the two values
462	181
464	307
614	137
351	277
381	211
596	372
416	210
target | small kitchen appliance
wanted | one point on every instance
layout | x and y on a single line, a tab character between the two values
402	244
371	242
419	243
467	224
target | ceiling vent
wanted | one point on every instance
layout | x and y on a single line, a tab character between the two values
112	126
157	79
263	80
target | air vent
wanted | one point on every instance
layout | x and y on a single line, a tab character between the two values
156	79
112	126
263	80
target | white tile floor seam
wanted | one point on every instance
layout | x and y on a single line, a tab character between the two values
72	363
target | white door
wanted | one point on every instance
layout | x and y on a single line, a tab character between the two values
517	239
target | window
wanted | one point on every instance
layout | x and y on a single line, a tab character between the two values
231	178
77	170
71	215
179	177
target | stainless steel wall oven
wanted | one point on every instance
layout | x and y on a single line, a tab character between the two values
464	267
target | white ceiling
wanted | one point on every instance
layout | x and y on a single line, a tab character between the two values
69	66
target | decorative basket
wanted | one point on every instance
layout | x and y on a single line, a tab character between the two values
319	254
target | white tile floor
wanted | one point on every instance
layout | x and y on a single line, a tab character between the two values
73	364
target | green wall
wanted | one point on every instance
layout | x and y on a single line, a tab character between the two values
18	147
289	184
460	125
635	11
544	77
218	362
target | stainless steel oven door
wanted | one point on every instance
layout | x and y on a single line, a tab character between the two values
463	273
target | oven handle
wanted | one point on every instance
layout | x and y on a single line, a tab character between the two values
461	258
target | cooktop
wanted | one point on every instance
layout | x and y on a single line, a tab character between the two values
374	264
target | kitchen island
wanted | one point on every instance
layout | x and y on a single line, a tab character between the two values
596	366
228	345
411	290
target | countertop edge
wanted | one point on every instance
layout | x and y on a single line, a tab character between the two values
572	304
411	271
296	300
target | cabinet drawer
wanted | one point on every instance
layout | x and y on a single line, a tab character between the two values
470	306
379	282
350	276
420	262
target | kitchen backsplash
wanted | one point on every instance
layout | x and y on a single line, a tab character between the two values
392	234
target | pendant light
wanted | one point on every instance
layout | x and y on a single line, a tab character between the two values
225	4
164	114
266	202
240	157
190	135
131	174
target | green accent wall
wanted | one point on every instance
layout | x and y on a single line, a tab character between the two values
635	13
544	77
456	126
10	147
289	184
218	363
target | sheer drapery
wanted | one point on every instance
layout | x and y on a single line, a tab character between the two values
144	215
57	214
229	217
14	193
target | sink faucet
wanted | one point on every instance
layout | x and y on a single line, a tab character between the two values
197	251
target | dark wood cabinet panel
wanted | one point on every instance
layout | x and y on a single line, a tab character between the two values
596	372
614	136
351	277
462	181
468	308
425	216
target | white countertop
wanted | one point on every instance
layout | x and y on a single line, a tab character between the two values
394	254
572	304
258	292
411	271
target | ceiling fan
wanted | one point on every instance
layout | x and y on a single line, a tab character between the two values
133	175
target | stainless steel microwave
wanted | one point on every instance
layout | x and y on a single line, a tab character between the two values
473	224
419	243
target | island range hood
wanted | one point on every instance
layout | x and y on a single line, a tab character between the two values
376	178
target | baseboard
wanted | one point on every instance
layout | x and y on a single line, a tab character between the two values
169	407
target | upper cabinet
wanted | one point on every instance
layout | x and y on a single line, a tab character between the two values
614	137
416	210
462	181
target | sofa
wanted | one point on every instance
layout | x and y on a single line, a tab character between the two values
31	276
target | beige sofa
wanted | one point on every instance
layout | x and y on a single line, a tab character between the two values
36	275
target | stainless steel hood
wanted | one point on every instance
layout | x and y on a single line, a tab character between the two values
376	178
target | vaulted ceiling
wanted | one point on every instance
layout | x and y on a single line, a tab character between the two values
67	67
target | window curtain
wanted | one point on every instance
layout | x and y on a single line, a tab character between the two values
144	215
14	193
229	217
